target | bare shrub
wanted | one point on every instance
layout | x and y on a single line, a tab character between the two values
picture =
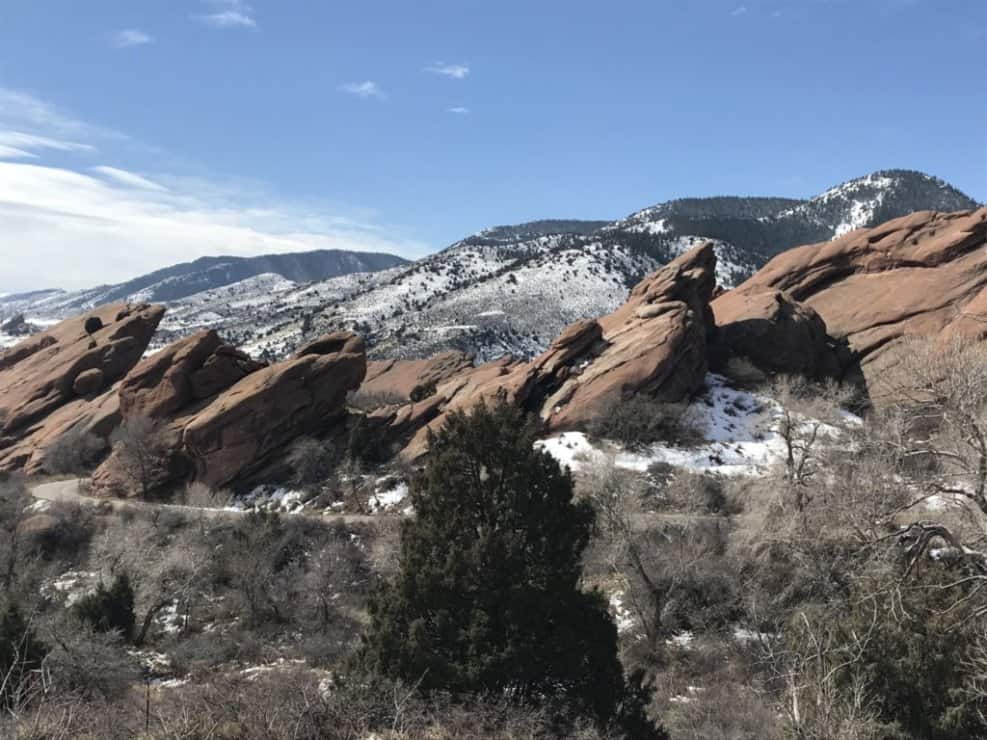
811	417
941	395
673	576
313	461
73	453
697	493
140	454
201	496
723	711
640	421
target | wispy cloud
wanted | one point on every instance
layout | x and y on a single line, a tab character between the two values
365	89
131	179
21	111
228	14
129	37
11	152
459	110
738	11
32	142
455	71
129	223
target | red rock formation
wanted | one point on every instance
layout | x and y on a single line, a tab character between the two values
45	380
921	275
777	334
259	411
402	377
655	344
191	369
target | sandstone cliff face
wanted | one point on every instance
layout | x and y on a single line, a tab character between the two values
62	378
921	275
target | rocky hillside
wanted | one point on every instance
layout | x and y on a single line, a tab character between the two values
508	289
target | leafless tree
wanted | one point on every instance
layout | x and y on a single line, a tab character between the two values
139	453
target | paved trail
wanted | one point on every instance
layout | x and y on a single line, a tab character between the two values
71	491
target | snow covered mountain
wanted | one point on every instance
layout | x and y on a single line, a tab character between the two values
206	273
772	225
507	289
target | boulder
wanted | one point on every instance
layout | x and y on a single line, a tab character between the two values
88	382
42	377
921	275
777	334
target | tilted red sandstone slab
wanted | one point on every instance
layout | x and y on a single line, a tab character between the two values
222	439
921	275
399	378
60	378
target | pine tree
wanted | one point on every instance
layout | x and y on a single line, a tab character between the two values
487	597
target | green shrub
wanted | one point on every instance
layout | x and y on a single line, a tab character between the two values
110	609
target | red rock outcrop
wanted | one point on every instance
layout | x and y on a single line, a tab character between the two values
220	440
53	381
400	378
192	369
921	275
654	344
776	334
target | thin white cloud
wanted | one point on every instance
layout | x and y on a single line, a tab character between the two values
456	71
21	111
228	14
33	142
130	179
129	37
365	89
738	11
459	110
11	152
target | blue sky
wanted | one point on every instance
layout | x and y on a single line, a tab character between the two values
141	133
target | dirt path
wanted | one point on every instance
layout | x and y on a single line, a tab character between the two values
71	491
